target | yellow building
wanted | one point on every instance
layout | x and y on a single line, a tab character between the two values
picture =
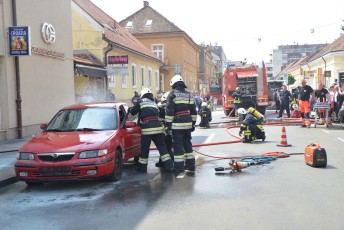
130	65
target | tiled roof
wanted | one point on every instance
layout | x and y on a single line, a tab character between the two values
337	45
113	31
159	24
85	57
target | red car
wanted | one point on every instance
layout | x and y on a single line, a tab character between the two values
84	141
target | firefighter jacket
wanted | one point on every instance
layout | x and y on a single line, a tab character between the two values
205	113
180	109
249	120
237	97
148	115
162	112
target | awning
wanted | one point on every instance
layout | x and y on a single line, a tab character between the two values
247	74
91	71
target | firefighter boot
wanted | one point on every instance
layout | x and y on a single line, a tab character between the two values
168	166
142	167
190	164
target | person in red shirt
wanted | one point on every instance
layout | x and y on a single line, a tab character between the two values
304	102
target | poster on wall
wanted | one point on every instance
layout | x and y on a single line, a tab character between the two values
19	40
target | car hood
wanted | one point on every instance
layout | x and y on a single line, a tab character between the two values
66	141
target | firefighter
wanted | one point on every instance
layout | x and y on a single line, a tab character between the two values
151	129
237	97
205	114
304	102
251	126
168	134
181	117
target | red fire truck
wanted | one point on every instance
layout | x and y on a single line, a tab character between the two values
215	88
253	84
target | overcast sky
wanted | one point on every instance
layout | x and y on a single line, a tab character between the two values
249	29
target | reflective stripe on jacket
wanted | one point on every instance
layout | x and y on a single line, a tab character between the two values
180	109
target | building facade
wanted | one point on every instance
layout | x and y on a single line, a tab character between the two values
34	87
286	54
130	65
178	52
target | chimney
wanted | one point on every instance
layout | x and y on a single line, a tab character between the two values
145	3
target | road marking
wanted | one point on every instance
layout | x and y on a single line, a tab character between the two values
340	139
181	175
325	131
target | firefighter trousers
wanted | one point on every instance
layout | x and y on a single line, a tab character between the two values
159	141
183	152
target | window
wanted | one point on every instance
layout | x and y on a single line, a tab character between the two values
129	24
158	50
157	83
142	76
124	81
149	22
149	78
133	76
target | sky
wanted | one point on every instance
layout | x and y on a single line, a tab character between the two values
248	29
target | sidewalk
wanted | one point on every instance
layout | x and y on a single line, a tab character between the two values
8	152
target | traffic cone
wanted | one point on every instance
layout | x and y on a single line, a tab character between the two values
283	142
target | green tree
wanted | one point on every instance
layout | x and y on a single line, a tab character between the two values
291	79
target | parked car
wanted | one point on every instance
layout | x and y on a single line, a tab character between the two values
83	141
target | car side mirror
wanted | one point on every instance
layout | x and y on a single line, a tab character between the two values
43	126
130	124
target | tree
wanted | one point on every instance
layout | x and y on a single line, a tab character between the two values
291	79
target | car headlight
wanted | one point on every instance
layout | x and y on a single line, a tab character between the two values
25	156
93	153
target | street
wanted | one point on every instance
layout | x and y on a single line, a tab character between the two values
285	194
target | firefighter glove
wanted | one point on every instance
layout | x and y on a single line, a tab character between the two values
193	128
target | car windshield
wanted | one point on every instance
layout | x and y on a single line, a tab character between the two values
86	119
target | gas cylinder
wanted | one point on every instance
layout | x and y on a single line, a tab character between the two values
255	113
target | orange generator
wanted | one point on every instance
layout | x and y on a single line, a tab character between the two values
315	156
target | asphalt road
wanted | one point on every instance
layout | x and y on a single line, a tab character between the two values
286	194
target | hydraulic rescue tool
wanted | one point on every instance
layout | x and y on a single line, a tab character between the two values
315	156
236	166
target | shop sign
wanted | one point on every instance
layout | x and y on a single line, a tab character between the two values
19	40
113	60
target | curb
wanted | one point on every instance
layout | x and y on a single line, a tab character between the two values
8	181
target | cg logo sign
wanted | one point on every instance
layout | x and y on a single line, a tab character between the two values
48	33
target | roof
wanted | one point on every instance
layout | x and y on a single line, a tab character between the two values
337	45
159	23
113	32
87	58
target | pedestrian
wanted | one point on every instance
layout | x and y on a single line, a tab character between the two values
168	134
181	117
110	96
304	96
135	98
322	96
198	102
276	99
237	97
285	96
151	130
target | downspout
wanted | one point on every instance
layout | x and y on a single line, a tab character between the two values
106	63
17	72
325	67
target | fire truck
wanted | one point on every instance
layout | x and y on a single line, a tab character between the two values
253	84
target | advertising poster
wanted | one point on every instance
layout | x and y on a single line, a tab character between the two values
19	40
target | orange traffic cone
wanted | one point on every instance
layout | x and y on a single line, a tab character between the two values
283	142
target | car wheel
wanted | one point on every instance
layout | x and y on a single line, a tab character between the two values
30	183
116	174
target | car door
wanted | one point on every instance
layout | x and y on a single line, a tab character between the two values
132	136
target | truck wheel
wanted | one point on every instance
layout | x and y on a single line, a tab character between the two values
261	110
